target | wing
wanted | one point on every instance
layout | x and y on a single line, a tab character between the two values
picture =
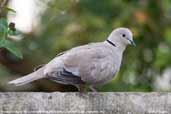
65	77
81	65
56	71
42	65
93	64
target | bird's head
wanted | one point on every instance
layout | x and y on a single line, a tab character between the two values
121	37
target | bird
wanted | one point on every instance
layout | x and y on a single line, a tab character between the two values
91	64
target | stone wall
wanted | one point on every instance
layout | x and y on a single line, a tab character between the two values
85	103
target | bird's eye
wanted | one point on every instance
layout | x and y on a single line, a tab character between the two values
123	35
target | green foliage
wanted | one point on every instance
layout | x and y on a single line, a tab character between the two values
12	47
7	44
3	26
8	9
68	23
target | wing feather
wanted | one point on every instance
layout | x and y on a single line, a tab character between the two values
82	65
65	77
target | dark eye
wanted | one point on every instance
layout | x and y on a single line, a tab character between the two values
123	35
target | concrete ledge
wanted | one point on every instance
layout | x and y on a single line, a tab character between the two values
85	103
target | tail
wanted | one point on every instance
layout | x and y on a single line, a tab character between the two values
28	78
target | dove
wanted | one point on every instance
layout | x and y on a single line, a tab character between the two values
91	64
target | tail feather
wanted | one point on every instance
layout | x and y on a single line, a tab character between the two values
28	78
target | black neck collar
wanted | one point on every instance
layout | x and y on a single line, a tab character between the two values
111	43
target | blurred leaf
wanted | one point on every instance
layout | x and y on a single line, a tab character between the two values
12	47
167	35
14	33
9	9
7	44
3	23
3	28
2	32
141	17
162	56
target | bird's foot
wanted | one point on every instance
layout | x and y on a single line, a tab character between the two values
78	87
93	88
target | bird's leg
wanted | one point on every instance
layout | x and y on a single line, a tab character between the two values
81	88
93	88
78	87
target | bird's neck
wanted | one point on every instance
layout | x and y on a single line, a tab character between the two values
117	51
115	44
121	48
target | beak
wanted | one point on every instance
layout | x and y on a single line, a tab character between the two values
132	43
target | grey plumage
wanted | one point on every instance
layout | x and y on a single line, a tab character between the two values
91	64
